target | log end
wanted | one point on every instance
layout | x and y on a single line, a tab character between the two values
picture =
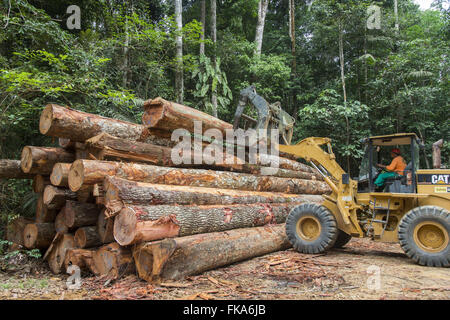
125	227
26	159
80	238
30	235
49	194
57	175
76	175
45	122
154	111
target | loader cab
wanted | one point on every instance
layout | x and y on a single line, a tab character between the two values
377	150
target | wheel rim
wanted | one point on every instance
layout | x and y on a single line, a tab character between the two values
431	236
308	228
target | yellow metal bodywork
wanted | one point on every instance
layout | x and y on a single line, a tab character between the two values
345	202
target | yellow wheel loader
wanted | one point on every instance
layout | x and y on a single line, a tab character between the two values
412	208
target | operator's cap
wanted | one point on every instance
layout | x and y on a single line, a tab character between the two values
396	151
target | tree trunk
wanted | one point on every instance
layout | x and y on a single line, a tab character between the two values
55	198
56	253
40	160
60	174
39	183
83	258
10	169
262	10
342	65
57	121
105	228
38	235
78	214
43	212
163	114
135	224
114	261
186	256
203	21
87	237
213	58
396	16
88	172
119	192
15	230
437	153
179	85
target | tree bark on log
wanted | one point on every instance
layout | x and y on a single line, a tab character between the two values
105	228
83	258
39	183
15	230
120	191
38	235
60	222
75	125
186	256
87	237
113	261
55	198
79	214
135	224
60	174
56	253
89	172
40	160
43	212
167	115
11	169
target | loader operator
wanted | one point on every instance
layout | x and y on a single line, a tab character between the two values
395	169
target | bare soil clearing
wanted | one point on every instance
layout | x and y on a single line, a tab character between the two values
338	274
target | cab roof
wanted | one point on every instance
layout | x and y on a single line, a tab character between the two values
392	139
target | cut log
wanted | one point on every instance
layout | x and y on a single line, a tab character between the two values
75	125
43	212
87	237
60	222
55	198
79	214
66	143
88	172
38	235
135	224
84	194
105	228
40	160
39	183
167	115
15	230
60	174
120	191
83	258
56	253
186	256
11	169
114	261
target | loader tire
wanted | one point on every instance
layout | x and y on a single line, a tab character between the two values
424	234
311	228
342	239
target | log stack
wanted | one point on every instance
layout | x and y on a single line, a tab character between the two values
112	200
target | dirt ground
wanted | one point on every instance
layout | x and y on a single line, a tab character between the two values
362	270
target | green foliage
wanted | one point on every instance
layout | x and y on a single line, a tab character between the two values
209	79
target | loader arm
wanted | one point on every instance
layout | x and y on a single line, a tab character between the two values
342	201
